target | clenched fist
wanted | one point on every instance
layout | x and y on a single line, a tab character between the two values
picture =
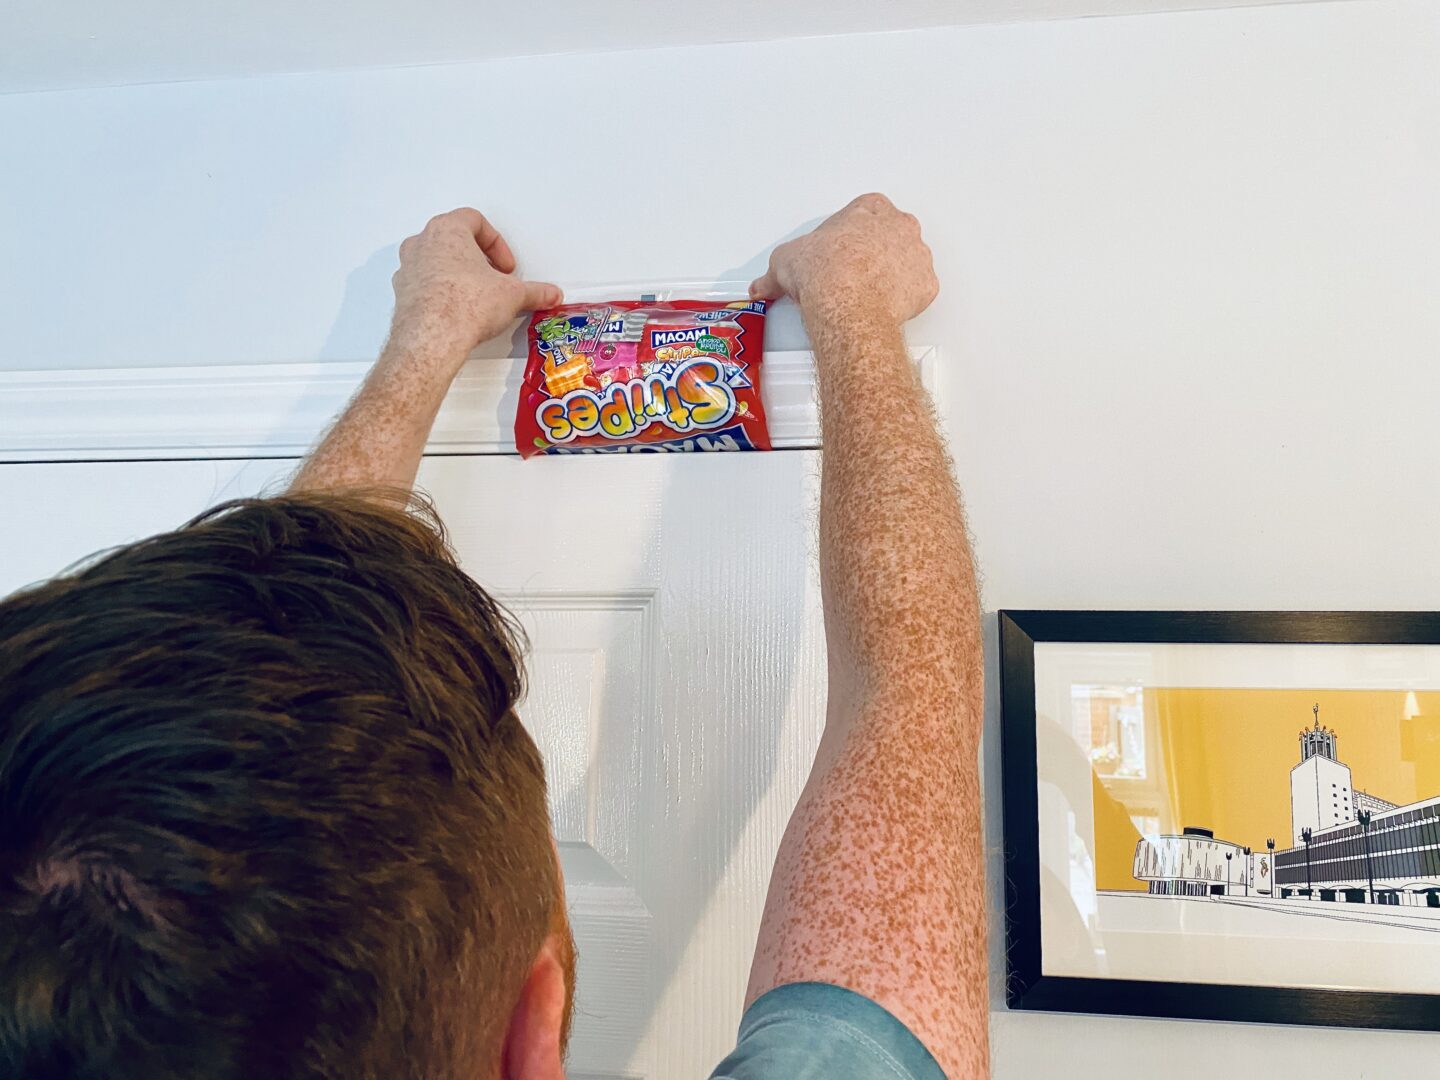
869	252
457	282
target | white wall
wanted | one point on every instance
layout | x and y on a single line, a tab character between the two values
1189	309
87	43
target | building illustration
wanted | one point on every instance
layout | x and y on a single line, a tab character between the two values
1320	790
1346	846
1192	864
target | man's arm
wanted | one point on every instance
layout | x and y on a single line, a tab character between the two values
878	886
455	288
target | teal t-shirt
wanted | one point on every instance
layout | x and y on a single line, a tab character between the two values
815	1031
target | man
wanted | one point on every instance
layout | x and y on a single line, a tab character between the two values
267	810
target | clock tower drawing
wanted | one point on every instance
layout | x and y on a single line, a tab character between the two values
1321	794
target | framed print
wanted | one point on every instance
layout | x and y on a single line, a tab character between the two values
1223	815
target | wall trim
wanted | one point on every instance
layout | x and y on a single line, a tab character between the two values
278	410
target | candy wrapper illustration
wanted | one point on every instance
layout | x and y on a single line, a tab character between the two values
627	376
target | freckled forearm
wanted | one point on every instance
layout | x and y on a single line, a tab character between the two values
879	888
895	559
379	439
878	882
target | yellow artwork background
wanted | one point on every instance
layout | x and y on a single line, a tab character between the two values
1222	761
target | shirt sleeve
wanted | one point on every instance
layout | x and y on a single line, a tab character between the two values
816	1031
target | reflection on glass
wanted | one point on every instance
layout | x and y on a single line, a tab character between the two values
1110	720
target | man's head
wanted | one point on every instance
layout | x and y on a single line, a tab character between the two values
266	810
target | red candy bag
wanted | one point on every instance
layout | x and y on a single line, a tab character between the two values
627	376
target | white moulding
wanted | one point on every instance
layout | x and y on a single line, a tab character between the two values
278	410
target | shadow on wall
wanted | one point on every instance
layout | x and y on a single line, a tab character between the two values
363	321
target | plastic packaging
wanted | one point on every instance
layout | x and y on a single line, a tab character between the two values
674	370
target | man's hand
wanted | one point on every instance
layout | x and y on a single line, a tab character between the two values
869	253
457	283
456	287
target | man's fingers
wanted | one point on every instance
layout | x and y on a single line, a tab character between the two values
485	234
766	287
498	252
540	294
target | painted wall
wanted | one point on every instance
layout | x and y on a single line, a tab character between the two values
84	43
1189	275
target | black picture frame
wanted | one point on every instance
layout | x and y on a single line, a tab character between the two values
1026	987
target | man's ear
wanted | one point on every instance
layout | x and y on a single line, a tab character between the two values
533	1048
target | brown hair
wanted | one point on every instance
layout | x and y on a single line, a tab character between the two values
266	809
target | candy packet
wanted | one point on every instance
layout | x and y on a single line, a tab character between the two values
650	374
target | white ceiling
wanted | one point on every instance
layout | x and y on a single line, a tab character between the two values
66	44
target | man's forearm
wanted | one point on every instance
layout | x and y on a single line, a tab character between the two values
379	439
895	562
455	288
879	882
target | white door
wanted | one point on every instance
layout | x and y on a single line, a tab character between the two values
676	689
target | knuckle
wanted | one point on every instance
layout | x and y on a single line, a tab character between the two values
440	221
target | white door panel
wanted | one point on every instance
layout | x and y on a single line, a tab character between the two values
677	661
676	688
56	514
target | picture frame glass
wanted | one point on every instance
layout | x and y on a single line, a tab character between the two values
1245	814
